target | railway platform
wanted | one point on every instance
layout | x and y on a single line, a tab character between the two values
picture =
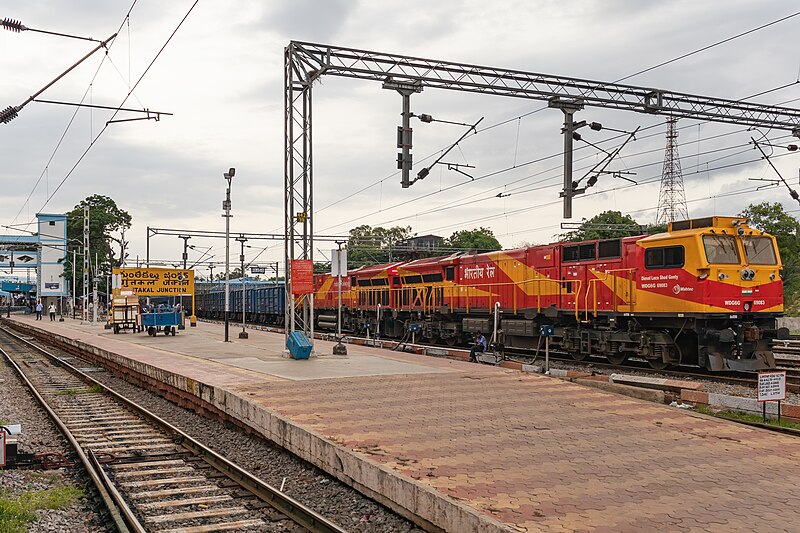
465	447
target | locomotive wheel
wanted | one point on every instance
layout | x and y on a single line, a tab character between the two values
578	356
450	341
658	364
617	358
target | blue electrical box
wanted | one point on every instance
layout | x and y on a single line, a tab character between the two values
546	330
299	346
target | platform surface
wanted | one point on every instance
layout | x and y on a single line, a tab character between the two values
526	451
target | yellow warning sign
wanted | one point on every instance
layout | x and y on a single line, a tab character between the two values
154	281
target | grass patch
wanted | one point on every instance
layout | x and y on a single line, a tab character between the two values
749	417
18	511
94	389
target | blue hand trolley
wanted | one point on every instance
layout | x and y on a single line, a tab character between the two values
166	321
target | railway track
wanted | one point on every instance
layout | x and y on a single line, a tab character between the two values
151	475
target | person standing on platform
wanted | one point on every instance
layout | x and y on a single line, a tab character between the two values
52	311
479	347
39	308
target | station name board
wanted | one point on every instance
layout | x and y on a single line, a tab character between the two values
154	281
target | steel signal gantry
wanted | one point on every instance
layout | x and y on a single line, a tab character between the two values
304	63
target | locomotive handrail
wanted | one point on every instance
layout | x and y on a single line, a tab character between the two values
593	284
422	291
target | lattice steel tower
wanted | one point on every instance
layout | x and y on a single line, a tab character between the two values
672	198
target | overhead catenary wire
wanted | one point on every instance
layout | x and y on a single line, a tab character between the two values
629	76
71	120
146	70
558	154
490	196
652	179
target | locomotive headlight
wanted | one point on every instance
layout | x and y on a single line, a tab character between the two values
721	276
772	276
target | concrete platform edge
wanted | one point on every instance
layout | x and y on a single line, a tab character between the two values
414	500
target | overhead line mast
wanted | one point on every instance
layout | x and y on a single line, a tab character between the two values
672	196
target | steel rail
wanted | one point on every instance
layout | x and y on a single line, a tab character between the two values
287	505
116	508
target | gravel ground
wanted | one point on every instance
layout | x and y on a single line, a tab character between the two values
39	434
325	494
710	385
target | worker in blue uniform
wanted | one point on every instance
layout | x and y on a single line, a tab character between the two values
479	347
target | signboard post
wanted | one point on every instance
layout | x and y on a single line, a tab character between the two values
546	332
2	446
771	388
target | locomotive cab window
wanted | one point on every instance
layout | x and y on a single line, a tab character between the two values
664	257
759	250
721	249
450	273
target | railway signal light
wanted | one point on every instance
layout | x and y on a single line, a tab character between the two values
404	159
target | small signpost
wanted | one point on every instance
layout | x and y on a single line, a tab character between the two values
771	388
546	331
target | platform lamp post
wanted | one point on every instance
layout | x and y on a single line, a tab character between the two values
243	335
185	257
226	205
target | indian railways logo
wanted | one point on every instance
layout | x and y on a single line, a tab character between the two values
479	272
677	289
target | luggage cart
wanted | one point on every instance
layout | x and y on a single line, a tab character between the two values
166	321
124	313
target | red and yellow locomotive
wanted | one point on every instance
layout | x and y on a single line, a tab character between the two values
707	293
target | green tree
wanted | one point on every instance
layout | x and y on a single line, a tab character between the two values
773	218
480	239
606	225
368	245
107	226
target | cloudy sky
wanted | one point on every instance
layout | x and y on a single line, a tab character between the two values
221	76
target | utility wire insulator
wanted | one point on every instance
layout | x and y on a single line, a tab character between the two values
8	114
12	25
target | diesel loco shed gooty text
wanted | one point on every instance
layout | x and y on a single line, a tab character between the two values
657	282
